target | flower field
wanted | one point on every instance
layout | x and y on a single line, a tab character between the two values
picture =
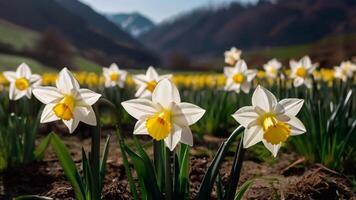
269	132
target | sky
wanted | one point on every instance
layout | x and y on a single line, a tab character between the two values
156	10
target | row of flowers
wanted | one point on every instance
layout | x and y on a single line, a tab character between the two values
235	78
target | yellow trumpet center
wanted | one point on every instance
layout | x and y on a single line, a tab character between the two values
239	78
275	131
114	76
301	72
159	125
22	84
150	86
65	108
272	70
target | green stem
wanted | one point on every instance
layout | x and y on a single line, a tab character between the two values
168	175
158	148
95	151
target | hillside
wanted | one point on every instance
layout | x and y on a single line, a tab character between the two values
208	32
17	41
133	23
89	39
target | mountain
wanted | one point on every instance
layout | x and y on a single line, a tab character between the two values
91	34
208	32
133	23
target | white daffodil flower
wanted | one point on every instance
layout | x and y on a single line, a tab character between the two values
269	121
272	67
301	71
232	56
67	102
114	76
147	82
165	116
22	82
345	70
239	77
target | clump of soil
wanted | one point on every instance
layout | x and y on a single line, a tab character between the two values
273	180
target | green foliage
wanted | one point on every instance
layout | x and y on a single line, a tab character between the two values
17	137
331	125
88	186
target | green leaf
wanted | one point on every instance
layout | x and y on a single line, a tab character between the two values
146	173
68	166
234	175
103	162
42	147
213	170
184	170
243	189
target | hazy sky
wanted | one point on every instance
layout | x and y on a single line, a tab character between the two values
157	10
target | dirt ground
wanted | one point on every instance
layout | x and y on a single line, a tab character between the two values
281	178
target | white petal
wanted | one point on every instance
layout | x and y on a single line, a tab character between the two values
293	64
113	67
186	136
228	71
151	73
291	105
12	91
138	108
47	94
173	139
263	99
308	83
272	148
250	74
246	87
35	78
298	82
140	91
165	93
23	71
241	66
29	92
10	76
297	127
252	136
306	62
140	79
186	114
140	128
48	114
71	124
245	115
66	82
89	97
85	114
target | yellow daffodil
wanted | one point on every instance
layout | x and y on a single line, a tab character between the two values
269	121
22	82
147	82
239	77
67	102
164	117
114	76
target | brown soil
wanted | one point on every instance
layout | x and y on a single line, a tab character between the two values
278	179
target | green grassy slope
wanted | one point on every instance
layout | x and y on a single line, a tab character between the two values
22	38
16	36
11	62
